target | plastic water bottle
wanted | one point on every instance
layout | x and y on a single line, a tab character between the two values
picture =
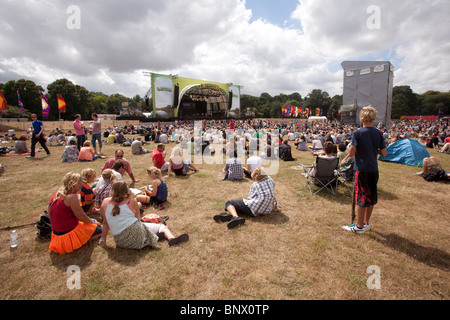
220	175
14	241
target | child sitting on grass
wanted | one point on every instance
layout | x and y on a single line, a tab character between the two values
104	190
155	194
87	193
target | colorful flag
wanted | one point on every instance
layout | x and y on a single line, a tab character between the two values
317	112
61	104
3	103
45	106
20	103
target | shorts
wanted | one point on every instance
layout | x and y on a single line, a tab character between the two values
155	227
366	188
240	206
152	201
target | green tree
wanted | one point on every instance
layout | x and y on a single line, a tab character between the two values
99	101
318	99
30	94
275	109
264	98
293	102
75	97
114	103
85	102
248	101
295	96
399	106
432	101
412	100
336	104
12	112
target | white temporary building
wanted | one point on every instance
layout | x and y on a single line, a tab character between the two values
367	83
310	119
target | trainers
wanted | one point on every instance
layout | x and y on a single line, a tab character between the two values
354	228
183	238
366	227
223	217
30	157
235	222
47	155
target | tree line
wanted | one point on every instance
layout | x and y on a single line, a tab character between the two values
405	102
79	100
266	106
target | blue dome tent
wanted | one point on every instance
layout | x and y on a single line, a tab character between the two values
406	151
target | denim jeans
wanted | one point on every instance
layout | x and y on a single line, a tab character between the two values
80	141
97	137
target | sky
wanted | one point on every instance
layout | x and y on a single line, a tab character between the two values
273	47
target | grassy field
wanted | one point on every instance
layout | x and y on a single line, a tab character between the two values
300	253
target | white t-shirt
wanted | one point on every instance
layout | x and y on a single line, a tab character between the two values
163	138
291	136
101	182
254	162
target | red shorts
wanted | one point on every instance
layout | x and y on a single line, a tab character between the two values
366	188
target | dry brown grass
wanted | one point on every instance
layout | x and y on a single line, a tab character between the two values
298	254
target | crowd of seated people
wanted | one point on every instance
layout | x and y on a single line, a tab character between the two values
245	146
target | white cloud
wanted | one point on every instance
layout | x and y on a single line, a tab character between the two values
218	41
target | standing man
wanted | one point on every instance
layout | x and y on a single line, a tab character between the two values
367	144
96	133
79	130
38	136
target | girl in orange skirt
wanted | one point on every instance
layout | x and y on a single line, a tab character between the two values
71	227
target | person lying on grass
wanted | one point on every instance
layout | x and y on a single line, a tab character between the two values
261	201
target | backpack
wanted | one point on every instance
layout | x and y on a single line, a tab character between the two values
154	218
44	230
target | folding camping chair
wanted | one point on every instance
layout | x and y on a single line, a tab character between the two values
346	176
322	174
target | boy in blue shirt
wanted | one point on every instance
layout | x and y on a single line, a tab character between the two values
367	144
38	132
